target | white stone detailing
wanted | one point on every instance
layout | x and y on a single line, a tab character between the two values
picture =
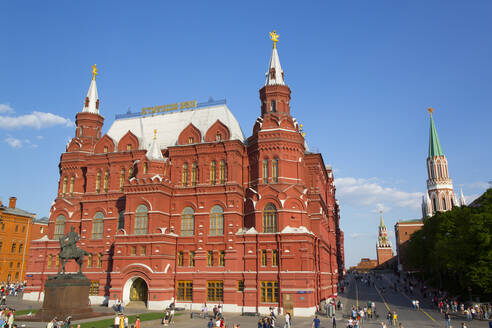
275	74
90	107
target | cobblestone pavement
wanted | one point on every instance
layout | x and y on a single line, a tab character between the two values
355	294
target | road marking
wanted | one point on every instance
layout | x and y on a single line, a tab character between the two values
384	301
427	314
356	295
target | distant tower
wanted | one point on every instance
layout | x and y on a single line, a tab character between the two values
440	196
383	246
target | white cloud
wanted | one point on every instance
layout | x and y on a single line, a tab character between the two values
355	235
37	120
369	192
39	137
5	108
13	142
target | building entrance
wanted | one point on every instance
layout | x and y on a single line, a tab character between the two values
139	291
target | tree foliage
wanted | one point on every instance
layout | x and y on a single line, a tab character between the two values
454	249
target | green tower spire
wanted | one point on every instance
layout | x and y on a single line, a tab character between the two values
434	144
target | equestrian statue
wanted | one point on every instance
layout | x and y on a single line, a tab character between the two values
69	250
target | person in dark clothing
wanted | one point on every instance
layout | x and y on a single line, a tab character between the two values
333	321
210	324
316	322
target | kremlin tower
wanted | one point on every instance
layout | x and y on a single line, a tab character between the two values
440	195
383	246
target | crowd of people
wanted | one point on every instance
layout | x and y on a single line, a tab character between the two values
7	317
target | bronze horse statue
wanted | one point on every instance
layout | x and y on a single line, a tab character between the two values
69	250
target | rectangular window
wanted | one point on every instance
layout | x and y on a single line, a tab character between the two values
265	171
192	259
14	246
221	258
133	250
269	291
143	250
210	258
215	291
94	289
240	285
122	179
222	172
16	228
275	170
263	257
185	291
21	246
180	258
97	228
99	260
275	258
213	173
1	244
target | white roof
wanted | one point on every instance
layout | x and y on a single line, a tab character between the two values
278	78
93	97
154	153
170	125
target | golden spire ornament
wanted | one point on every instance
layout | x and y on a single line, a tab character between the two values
155	134
94	71
430	110
274	37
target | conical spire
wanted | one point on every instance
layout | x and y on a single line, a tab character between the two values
275	74
381	221
462	198
434	144
154	153
91	103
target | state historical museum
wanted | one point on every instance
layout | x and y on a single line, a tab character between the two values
174	203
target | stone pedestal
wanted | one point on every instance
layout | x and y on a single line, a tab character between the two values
66	295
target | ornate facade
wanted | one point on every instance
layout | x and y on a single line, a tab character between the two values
383	246
440	195
178	205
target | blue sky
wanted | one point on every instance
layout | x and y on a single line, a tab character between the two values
362	74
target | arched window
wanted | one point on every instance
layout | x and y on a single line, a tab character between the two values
72	182
222	172
89	260
122	179
187	222
50	260
265	170
99	260
213	174
194	174
98	225
444	205
432	170
270	218
216	221
130	172
218	136
275	170
434	205
184	175
146	168
59	227
440	170
273	106
121	220
98	181
141	220
106	181
64	187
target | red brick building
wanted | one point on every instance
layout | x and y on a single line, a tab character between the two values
175	204
383	246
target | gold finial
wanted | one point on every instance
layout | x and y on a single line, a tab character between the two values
274	37
94	71
155	134
430	110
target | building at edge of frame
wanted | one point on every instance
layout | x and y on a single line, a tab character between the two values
175	204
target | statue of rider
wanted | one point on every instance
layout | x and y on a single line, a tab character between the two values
69	242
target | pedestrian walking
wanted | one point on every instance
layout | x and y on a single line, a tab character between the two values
316	322
447	317
333	321
395	319
137	322
210	323
287	320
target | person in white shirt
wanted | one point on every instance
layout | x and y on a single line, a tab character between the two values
116	321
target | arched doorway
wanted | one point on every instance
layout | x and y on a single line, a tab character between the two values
138	291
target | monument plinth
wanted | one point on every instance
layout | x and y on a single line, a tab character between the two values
64	296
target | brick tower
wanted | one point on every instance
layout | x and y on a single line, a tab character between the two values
440	196
383	246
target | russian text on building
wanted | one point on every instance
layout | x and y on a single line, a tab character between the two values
175	204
